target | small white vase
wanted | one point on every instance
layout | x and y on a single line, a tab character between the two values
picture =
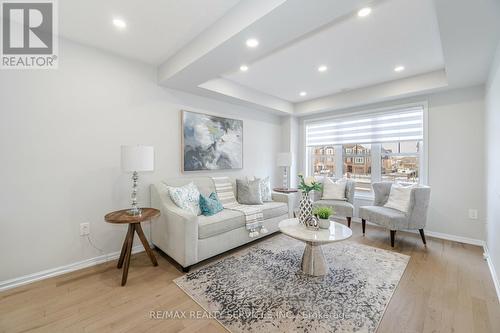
324	223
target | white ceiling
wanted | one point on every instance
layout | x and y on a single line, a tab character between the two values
198	46
156	29
358	52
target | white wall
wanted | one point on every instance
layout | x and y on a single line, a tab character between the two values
493	165
60	137
456	157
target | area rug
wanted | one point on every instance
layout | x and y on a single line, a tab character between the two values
261	288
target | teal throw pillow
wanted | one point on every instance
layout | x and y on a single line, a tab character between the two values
211	205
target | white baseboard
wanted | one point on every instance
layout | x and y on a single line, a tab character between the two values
454	238
16	282
493	272
439	235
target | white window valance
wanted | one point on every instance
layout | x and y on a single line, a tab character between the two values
395	125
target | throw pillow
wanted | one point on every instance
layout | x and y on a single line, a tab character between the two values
186	197
399	197
211	205
334	190
248	192
265	189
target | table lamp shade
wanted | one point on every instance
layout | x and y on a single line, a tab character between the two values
284	159
137	158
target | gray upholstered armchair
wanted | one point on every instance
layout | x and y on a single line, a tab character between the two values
343	208
393	219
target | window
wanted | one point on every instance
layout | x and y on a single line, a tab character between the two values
382	146
358	165
323	161
400	161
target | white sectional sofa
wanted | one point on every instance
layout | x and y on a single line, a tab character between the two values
189	239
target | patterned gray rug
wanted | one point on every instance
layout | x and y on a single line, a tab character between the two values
261	288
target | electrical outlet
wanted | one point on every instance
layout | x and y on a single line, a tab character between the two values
473	214
84	229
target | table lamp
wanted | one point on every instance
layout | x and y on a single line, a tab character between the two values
137	159
285	160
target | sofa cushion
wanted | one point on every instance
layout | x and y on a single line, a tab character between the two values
227	220
274	209
341	207
219	223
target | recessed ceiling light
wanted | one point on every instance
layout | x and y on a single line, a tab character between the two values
252	42
364	12
243	68
399	68
322	68
119	23
302	93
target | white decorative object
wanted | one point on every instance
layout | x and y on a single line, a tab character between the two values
284	160
334	190
305	208
399	197
136	159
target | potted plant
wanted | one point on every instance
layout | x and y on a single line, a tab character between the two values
306	185
323	214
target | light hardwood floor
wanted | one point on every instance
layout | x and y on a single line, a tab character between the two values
446	288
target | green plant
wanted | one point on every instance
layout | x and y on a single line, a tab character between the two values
308	184
323	212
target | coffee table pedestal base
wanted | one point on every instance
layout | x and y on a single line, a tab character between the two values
313	260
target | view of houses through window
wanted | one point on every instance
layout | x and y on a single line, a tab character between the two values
399	162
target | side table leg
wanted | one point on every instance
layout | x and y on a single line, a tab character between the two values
124	246
128	252
144	241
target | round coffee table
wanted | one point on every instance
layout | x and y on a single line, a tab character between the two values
313	259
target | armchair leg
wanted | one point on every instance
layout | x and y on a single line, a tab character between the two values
348	221
363	225
186	269
393	235
422	235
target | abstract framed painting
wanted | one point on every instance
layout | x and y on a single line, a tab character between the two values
211	142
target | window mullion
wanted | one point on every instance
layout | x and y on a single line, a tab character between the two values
376	162
339	162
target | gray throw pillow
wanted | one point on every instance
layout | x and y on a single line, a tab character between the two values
248	192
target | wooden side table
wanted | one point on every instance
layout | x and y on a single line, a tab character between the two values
134	225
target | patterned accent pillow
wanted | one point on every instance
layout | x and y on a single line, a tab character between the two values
248	192
265	189
186	197
211	205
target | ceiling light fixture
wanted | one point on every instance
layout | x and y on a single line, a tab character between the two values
322	68
302	93
119	23
243	68
363	12
399	68
252	42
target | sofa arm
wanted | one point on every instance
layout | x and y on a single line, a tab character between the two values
288	198
175	232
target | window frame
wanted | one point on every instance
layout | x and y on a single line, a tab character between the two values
376	148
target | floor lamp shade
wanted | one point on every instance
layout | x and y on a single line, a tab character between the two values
137	158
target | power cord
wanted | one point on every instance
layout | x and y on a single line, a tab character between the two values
91	242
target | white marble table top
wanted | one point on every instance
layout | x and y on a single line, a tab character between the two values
336	232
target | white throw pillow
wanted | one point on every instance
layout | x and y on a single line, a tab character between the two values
265	188
186	197
334	190
399	197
